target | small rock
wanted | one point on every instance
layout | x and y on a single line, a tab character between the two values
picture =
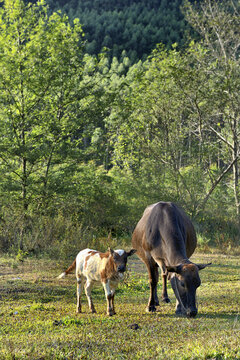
133	326
57	323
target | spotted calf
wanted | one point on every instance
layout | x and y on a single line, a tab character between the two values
94	266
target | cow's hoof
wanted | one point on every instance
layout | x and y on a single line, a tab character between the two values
79	311
151	308
93	311
179	312
166	300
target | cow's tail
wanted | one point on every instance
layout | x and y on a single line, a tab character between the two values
69	269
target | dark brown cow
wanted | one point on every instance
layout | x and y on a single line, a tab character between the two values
165	237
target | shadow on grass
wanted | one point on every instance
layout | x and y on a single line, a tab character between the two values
43	291
28	291
219	315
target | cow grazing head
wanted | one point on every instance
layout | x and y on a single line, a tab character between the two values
185	280
120	259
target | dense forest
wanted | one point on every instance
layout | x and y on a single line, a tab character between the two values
87	142
132	26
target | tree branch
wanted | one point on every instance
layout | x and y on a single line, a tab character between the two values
202	204
221	137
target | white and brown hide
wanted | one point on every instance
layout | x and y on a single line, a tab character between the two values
93	266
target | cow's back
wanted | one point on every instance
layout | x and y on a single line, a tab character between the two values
163	220
191	238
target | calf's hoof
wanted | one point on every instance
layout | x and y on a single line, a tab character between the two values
151	308
110	313
79	310
93	311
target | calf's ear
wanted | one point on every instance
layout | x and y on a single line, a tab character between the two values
111	251
131	252
202	266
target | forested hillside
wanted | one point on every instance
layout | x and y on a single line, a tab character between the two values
86	143
134	26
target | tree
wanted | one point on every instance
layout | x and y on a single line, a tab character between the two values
41	67
121	20
218	23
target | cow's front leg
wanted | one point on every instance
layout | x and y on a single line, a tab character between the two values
109	296
88	288
153	280
178	309
151	302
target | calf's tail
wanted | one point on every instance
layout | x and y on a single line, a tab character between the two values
69	269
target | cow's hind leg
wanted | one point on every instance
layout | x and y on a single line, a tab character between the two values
165	297
88	288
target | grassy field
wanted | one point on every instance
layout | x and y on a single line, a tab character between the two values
38	319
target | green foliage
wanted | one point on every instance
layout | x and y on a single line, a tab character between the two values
21	255
167	115
86	143
41	67
135	26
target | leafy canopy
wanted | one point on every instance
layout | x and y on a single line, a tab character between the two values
41	66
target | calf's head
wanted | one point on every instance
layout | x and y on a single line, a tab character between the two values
185	280
120	259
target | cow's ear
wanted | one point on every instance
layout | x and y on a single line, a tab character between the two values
202	266
176	269
131	252
111	251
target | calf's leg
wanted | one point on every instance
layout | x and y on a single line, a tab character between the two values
88	288
79	292
112	301
109	298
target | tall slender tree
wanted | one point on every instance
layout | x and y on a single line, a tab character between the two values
218	23
41	66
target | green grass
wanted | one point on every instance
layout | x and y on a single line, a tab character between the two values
38	319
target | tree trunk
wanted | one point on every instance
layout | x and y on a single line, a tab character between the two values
24	184
236	169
